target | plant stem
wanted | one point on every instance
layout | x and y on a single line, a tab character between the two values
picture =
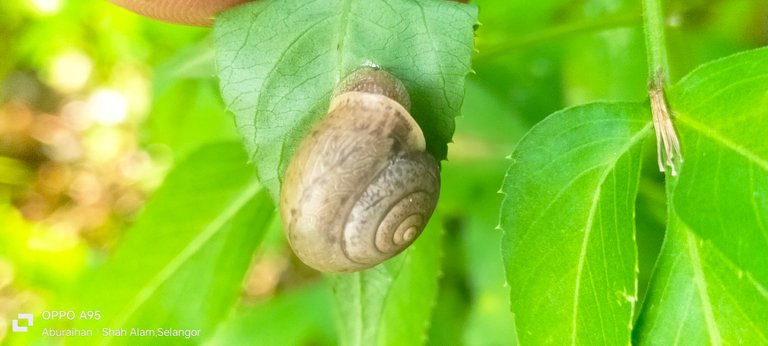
667	143
655	40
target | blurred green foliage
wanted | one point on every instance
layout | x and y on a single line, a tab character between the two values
75	176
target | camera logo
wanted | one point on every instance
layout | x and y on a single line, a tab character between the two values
22	328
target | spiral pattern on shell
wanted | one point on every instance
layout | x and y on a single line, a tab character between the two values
360	188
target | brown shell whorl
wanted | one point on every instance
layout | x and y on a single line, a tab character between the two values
375	81
360	188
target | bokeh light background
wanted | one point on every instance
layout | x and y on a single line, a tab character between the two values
77	79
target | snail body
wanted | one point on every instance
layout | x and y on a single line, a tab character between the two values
361	187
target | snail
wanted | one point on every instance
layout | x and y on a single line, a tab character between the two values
361	186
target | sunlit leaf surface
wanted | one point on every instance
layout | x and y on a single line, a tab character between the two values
202	226
711	280
569	228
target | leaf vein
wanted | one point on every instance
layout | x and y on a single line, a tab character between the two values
210	230
711	133
588	229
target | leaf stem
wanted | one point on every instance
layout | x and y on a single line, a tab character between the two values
667	143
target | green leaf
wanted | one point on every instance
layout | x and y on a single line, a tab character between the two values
391	304
187	110
182	264
710	285
187	115
301	317
279	61
568	225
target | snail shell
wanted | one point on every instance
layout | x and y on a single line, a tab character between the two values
361	187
